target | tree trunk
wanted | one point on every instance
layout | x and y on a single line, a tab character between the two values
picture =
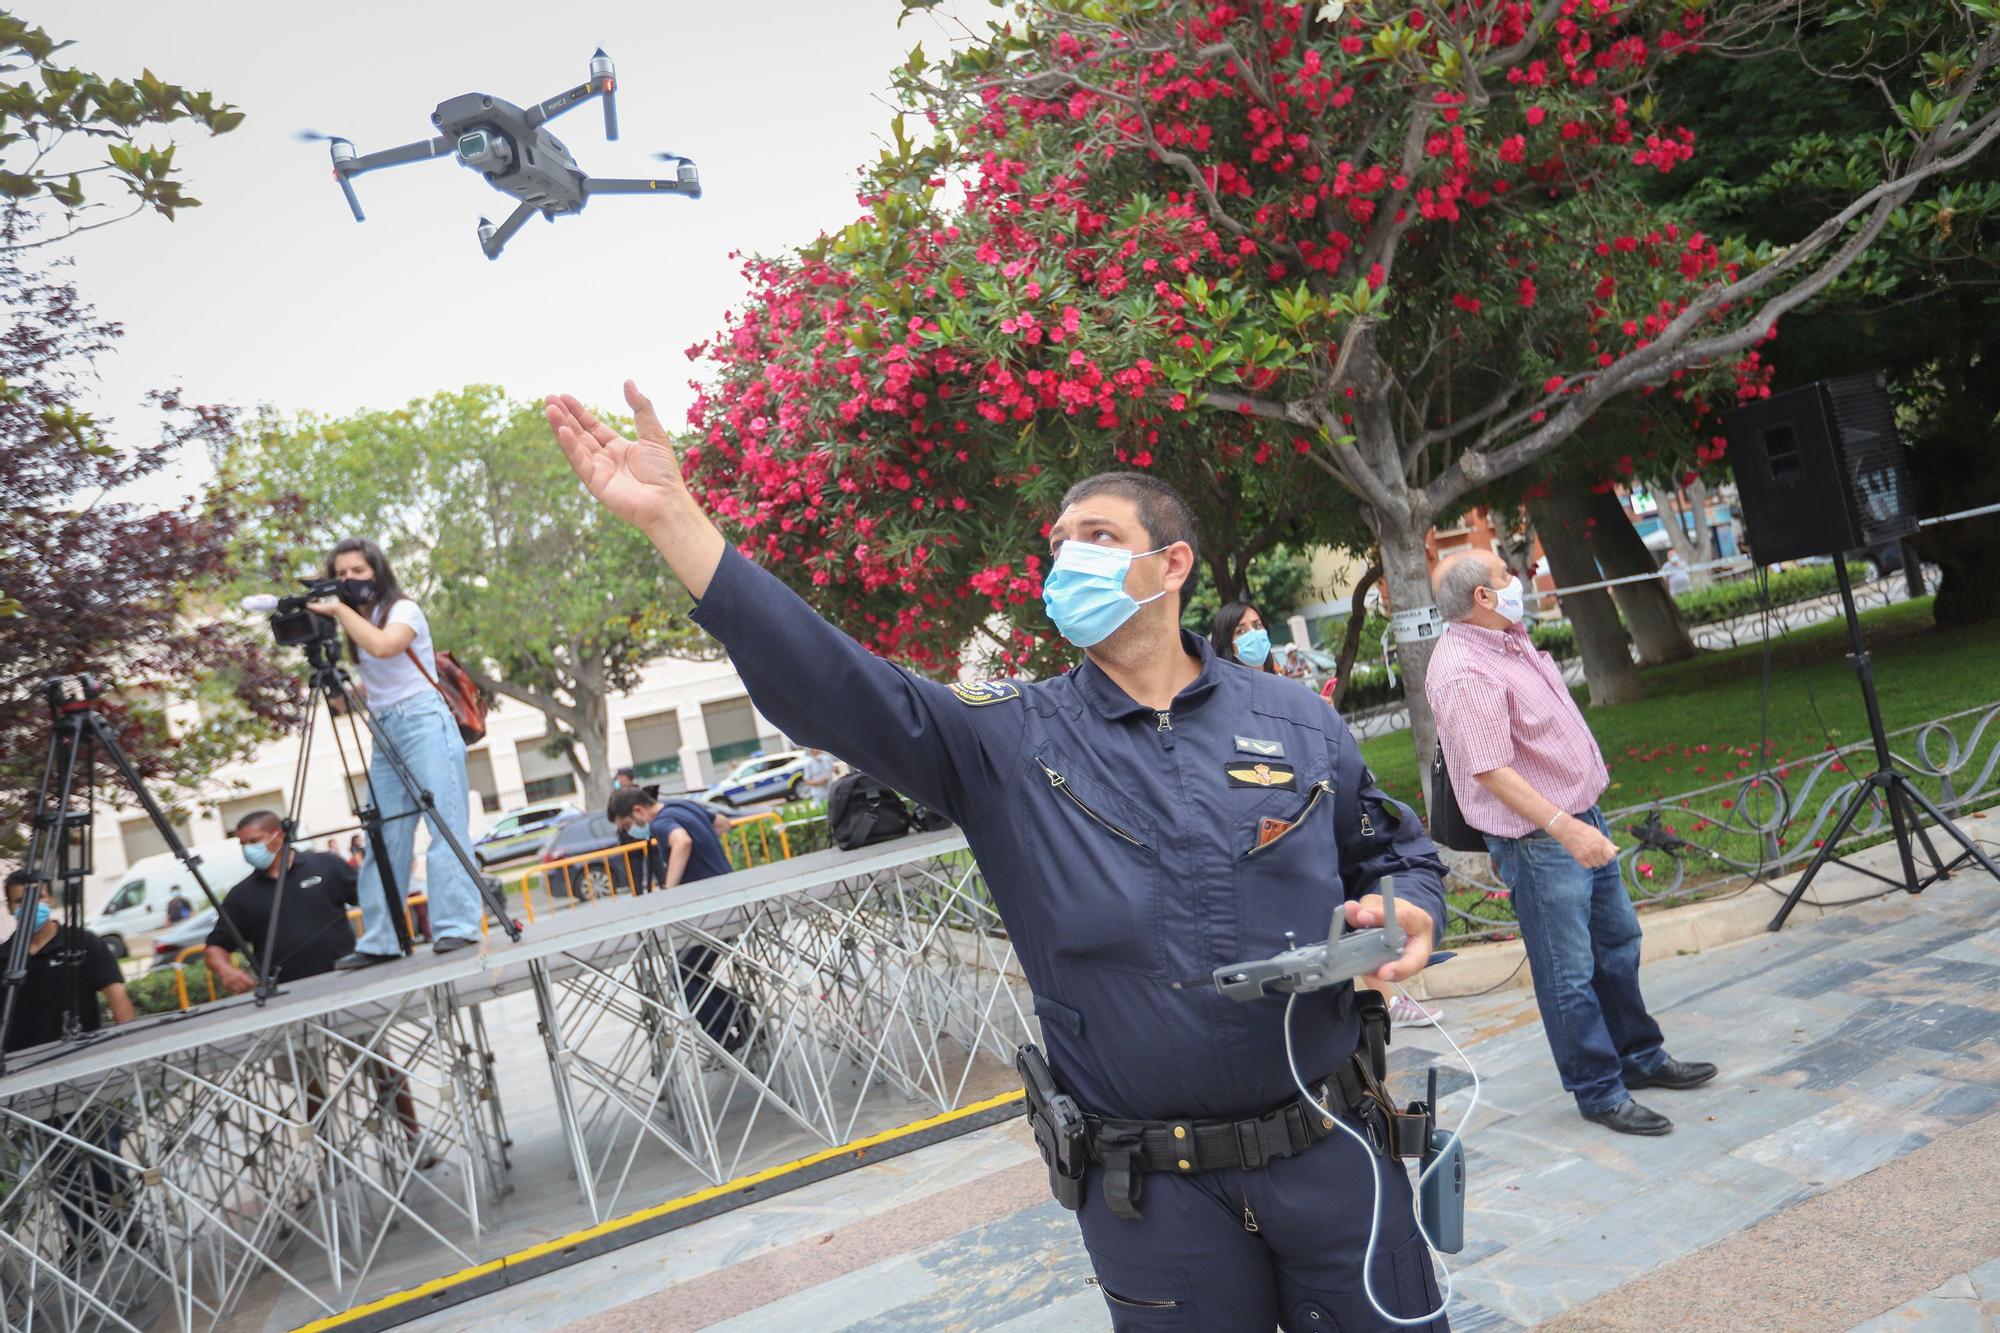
1656	625
1685	546
1350	639
1600	639
595	733
1406	569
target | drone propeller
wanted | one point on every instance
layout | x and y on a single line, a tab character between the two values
605	77
673	157
315	136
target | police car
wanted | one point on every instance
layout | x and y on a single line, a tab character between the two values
762	777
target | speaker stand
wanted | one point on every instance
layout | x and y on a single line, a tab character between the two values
1897	792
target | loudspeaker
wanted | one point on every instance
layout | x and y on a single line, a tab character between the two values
1821	470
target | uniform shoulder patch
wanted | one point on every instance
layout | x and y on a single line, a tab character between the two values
982	692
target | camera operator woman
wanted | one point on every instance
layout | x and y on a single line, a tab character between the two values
1239	636
390	643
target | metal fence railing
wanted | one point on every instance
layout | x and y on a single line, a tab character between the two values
1766	822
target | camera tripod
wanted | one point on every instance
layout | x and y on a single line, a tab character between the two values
1901	796
329	681
59	852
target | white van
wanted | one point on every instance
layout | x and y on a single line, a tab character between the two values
138	906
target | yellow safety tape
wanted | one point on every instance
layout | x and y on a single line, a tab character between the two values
617	1224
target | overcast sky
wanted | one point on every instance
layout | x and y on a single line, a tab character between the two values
271	293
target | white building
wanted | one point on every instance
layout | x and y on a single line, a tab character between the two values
686	725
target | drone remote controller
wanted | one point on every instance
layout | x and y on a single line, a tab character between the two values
1316	966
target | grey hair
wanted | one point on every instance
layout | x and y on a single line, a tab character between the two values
1461	576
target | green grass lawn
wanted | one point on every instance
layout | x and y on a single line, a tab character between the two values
1653	746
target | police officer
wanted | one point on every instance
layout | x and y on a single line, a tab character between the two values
1148	816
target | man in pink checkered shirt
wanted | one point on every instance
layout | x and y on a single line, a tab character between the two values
1527	773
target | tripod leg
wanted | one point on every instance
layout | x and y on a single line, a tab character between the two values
137	786
1900	820
1855	804
1944	822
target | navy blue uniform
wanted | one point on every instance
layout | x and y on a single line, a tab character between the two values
1131	852
707	857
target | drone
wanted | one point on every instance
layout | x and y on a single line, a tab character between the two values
512	149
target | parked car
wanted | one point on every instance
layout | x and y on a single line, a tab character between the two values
520	832
138	907
168	944
763	777
579	835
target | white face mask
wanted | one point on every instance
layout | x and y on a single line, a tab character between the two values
1510	601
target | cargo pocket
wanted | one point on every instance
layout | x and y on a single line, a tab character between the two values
1416	1282
1143	1298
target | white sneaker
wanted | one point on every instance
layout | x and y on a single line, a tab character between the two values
1407	1013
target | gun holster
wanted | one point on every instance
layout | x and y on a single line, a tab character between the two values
1061	1135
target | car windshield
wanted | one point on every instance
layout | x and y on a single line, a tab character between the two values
129	894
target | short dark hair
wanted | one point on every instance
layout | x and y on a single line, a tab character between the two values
622	773
18	879
264	819
1162	510
626	800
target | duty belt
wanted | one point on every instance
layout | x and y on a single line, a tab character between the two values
1070	1139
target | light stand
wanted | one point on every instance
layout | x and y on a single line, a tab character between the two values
1902	797
60	849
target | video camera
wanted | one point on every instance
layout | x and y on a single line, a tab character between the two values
291	624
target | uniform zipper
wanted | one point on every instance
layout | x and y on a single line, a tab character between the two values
1319	791
1061	784
1367	829
1166	729
1249	1218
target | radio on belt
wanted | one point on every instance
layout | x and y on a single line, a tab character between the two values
1316	966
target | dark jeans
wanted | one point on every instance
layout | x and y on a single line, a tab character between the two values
1582	938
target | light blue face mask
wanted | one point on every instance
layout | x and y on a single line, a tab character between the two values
258	855
1253	647
1085	591
41	915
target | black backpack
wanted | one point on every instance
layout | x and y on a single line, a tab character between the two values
1448	826
861	811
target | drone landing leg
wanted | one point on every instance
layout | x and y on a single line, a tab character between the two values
494	239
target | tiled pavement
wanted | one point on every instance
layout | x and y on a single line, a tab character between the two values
1848	1042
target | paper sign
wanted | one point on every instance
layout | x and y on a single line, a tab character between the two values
1417	625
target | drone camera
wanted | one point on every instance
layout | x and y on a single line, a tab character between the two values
484	150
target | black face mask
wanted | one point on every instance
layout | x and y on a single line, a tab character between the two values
357	593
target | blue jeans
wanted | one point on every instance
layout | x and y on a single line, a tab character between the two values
1582	938
424	732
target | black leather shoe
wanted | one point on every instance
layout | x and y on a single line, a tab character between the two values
1674	1074
452	944
1628	1117
357	960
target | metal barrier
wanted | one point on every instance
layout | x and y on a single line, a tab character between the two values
1765	821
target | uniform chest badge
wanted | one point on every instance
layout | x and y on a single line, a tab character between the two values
1274	777
1261	748
982	692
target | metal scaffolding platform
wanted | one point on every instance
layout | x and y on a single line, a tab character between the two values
150	1178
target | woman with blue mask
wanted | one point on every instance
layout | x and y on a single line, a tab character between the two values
1239	636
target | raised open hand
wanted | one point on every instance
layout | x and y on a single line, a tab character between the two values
638	480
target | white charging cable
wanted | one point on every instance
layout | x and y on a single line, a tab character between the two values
1375	1167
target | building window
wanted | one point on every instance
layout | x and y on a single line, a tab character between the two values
479	778
231	811
655	742
544	776
139	838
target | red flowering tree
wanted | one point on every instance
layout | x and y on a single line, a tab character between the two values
1413	248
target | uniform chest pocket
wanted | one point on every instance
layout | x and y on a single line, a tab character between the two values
1288	871
1099	858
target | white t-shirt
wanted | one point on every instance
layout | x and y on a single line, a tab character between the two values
391	680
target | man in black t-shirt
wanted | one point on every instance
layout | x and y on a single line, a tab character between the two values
314	932
52	991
